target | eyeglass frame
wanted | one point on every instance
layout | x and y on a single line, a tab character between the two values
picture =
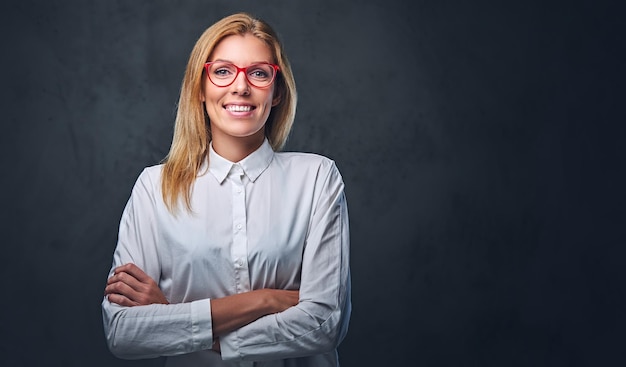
245	74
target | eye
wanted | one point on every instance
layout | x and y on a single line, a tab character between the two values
259	72
222	70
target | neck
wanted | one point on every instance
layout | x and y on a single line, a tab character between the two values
237	148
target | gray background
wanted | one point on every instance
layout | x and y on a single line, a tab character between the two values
481	144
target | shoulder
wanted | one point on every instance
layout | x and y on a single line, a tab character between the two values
152	171
308	160
149	179
307	164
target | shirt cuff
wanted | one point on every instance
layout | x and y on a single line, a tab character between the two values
229	346
201	324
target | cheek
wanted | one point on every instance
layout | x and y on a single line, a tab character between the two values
212	101
211	105
211	93
269	99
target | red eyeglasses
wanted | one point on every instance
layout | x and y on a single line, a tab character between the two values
223	74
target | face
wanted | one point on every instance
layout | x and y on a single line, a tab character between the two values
239	110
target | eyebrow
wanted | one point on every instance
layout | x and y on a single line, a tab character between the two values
252	63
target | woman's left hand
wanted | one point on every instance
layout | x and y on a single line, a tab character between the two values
130	286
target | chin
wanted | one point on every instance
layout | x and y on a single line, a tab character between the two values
245	133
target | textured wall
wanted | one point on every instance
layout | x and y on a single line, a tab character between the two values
481	145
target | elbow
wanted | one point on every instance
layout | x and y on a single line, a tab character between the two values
341	329
327	338
119	351
123	348
120	347
120	343
111	321
334	329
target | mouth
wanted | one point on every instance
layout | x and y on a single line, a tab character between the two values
238	108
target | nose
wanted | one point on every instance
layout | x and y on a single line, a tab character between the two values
240	85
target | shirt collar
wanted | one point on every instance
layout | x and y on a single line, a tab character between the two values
253	165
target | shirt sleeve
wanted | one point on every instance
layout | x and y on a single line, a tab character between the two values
153	330
320	320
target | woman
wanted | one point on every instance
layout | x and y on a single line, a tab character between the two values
230	251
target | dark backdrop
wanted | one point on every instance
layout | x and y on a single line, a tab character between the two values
481	145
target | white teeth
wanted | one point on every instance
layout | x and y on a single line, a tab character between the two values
237	108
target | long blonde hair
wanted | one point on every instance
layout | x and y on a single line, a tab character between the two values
192	133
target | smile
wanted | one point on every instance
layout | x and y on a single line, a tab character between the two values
238	108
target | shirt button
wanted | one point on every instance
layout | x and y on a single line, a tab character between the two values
239	190
239	262
239	226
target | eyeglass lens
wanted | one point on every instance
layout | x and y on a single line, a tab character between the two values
224	73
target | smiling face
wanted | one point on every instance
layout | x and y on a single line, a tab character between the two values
238	112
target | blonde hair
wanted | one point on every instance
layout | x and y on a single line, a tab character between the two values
192	133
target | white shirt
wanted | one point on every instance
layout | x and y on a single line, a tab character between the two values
272	220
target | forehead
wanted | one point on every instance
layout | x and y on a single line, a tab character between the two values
242	50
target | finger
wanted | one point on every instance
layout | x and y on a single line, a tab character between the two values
135	271
122	289
127	279
119	288
113	278
121	300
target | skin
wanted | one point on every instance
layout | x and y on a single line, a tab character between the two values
234	136
129	286
237	134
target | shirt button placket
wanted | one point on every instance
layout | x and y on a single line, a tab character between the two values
240	241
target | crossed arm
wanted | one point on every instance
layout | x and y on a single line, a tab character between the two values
266	324
129	286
